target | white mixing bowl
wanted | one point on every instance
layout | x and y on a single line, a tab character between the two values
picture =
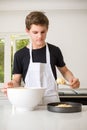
25	98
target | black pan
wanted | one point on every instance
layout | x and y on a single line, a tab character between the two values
71	107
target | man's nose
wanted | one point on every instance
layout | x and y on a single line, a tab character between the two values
39	35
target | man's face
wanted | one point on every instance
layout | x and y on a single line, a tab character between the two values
37	34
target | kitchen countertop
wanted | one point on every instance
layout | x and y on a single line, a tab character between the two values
40	119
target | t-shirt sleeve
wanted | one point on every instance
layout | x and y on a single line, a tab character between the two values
17	64
60	58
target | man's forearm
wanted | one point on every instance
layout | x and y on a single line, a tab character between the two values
68	75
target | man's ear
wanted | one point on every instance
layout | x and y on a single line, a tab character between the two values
27	30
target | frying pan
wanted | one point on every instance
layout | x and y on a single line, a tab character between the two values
75	107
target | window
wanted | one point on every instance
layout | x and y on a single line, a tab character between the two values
20	43
2	43
9	44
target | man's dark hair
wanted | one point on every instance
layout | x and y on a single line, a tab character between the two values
37	18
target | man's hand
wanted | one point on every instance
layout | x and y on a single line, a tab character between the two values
74	83
7	85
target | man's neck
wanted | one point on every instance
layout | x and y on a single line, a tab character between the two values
38	46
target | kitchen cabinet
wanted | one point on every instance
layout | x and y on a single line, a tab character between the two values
40	119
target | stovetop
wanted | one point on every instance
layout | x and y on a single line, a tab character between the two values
73	92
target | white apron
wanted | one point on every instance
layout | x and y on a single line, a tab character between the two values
41	75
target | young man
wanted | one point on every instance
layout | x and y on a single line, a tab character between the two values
36	62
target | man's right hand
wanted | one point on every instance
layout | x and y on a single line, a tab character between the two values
7	85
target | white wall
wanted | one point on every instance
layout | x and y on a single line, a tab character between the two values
68	30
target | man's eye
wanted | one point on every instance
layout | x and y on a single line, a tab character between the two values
35	32
43	32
